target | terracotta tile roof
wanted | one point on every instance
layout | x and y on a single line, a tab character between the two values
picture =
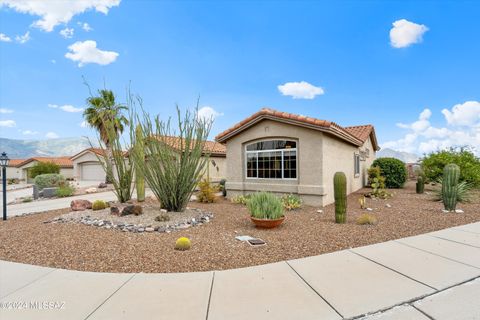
361	132
15	162
215	148
266	113
63	162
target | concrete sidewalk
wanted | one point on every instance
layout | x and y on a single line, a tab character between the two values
431	276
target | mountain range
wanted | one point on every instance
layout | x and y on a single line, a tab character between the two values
406	157
22	149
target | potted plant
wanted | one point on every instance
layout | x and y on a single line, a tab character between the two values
266	210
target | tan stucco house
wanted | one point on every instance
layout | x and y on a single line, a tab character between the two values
287	153
65	164
13	171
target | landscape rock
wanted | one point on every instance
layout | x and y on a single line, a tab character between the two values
369	209
115	211
149	229
319	211
388	205
49	192
459	211
132	209
102	185
80	205
91	190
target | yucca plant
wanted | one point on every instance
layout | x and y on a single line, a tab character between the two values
265	205
174	159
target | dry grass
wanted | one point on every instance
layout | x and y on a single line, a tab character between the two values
304	233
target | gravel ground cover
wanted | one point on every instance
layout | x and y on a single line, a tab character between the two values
305	232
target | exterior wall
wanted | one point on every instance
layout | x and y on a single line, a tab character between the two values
14	173
77	165
339	156
66	172
217	172
309	162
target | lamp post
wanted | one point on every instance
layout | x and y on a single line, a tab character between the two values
4	160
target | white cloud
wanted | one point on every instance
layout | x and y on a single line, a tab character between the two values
405	33
83	124
5	110
51	135
300	90
29	132
7	123
23	39
208	113
463	130
87	52
66	108
67	33
53	13
85	26
5	38
465	114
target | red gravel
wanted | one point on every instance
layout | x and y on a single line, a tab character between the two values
304	233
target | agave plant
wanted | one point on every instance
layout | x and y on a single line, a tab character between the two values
265	205
463	191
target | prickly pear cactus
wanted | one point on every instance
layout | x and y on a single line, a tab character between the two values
340	194
451	174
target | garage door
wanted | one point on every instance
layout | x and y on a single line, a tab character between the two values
92	171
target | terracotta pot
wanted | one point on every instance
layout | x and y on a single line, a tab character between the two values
267	223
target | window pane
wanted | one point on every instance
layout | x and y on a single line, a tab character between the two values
251	165
268	164
290	164
272	145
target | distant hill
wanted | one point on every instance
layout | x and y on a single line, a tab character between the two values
21	149
406	157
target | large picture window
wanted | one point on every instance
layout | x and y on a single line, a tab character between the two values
272	159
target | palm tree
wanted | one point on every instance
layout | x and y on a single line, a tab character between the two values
102	113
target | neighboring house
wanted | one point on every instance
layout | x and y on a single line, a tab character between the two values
287	153
13	172
65	164
86	165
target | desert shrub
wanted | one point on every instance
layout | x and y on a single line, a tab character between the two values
183	244
27	199
222	187
393	170
49	180
207	192
241	199
367	218
13	181
291	201
433	164
374	176
99	205
65	190
163	217
265	205
43	168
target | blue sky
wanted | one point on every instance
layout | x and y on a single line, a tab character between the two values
410	68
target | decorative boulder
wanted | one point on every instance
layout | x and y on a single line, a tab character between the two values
102	185
132	209
80	205
115	211
91	190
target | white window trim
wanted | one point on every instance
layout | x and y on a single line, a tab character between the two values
270	150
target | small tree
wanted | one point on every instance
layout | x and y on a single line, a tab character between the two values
43	168
172	170
393	170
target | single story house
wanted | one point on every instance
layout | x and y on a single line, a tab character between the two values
13	172
86	165
65	164
288	153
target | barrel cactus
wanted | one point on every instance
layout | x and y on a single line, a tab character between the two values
183	244
340	194
451	175
420	184
99	205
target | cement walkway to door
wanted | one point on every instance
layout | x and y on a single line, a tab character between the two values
430	276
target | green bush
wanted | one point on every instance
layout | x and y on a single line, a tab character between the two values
241	199
49	180
291	201
99	205
65	190
433	164
393	170
43	168
265	205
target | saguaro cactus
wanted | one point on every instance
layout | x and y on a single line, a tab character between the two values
139	178
420	184
451	174
340	194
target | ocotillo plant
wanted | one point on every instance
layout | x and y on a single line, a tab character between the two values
451	174
139	178
420	184
340	194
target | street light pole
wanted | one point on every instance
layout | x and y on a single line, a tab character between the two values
4	160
